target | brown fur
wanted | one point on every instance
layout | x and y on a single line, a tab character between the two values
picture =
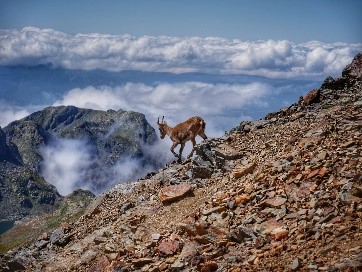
182	133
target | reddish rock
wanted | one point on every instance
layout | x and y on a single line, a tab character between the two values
141	261
275	201
169	247
313	174
209	267
279	233
101	265
305	189
323	171
271	225
201	227
217	209
312	97
241	199
174	192
243	170
217	232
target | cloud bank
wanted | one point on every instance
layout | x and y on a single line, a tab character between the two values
275	59
218	104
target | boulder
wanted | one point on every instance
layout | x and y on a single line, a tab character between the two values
174	192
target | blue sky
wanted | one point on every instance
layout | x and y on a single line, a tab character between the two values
296	21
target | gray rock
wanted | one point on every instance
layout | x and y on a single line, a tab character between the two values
295	265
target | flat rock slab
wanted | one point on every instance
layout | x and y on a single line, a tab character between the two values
275	201
174	192
238	172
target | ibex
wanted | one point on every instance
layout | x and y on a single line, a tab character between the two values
182	133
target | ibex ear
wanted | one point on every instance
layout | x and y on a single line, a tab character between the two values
163	117
158	120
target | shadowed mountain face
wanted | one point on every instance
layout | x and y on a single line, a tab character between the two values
71	148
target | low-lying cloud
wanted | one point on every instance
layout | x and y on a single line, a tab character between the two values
275	59
70	164
219	104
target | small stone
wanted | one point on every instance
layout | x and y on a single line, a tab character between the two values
217	209
163	266
201	172
242	199
313	174
56	237
241	171
322	155
279	233
209	267
100	240
357	104
155	236
177	265
313	266
201	227
251	259
141	261
41	244
275	202
295	265
322	172
348	144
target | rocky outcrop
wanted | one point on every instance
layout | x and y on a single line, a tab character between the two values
284	194
353	71
24	192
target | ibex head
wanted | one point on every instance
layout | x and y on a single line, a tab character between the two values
162	127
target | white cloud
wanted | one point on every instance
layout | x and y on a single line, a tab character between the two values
281	59
217	103
71	164
9	113
65	164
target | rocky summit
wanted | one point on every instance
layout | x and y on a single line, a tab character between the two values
279	194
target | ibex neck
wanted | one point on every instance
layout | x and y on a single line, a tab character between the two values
168	129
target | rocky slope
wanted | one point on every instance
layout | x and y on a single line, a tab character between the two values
279	194
107	138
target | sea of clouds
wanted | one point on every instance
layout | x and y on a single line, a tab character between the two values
275	59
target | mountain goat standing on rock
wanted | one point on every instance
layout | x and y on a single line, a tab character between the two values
182	133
